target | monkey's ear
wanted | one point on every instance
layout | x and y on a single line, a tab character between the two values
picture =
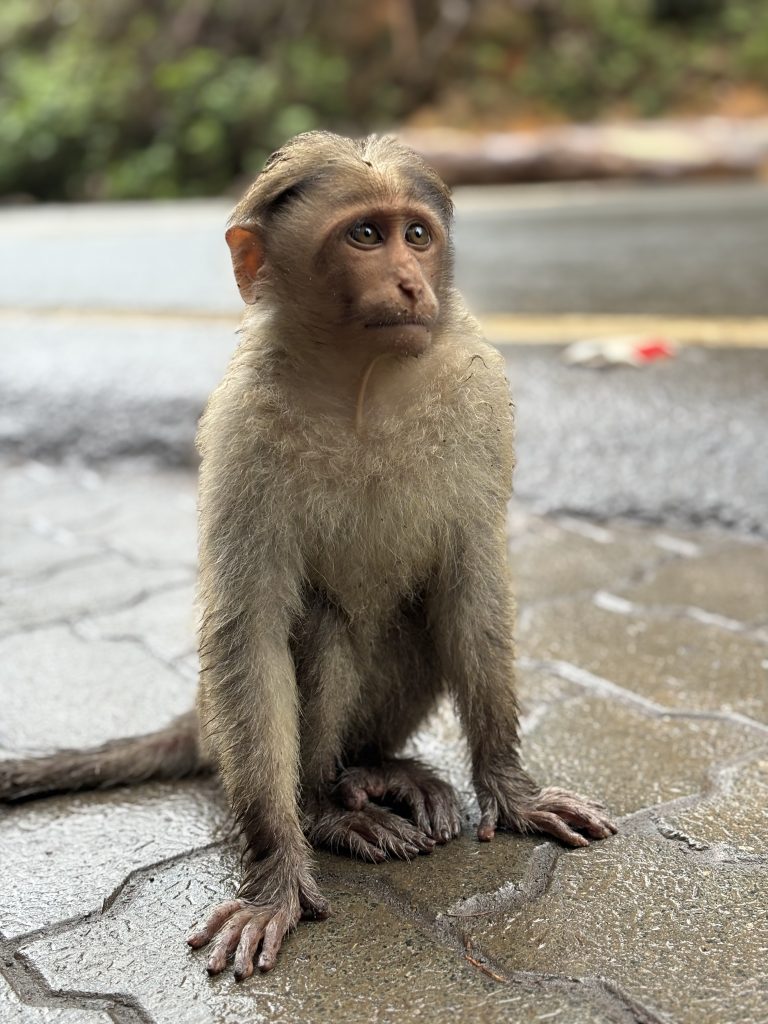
247	260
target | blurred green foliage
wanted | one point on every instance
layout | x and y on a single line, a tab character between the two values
126	98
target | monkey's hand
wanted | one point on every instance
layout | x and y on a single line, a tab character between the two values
555	812
240	927
430	802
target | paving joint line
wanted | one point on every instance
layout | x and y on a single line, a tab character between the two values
77	617
52	571
664	518
537	879
451	937
597	684
607	601
32	988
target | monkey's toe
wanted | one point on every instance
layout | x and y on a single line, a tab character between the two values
372	833
429	801
571	818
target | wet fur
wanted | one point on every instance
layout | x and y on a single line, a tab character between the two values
352	562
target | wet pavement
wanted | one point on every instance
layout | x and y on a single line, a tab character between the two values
643	672
639	543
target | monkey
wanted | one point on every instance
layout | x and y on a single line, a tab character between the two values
355	468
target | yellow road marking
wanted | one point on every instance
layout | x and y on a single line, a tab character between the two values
500	328
731	332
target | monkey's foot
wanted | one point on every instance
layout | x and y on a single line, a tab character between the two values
371	833
555	812
240	927
429	802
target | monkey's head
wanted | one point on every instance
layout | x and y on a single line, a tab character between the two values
353	237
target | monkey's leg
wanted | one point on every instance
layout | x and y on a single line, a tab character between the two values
472	623
334	694
431	803
170	753
403	682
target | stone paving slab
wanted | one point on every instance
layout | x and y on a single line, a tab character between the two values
623	755
571	556
677	663
365	963
642	682
75	852
729	581
687	940
163	622
60	690
71	591
735	814
14	1011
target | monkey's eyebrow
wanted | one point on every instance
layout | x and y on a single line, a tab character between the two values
422	190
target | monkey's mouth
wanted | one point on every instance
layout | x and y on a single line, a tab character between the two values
399	321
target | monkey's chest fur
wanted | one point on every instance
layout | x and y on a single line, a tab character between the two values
375	525
379	513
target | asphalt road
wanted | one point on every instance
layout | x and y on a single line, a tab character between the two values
693	250
115	322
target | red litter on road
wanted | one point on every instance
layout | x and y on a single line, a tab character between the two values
626	350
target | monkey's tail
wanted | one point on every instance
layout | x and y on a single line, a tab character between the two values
170	753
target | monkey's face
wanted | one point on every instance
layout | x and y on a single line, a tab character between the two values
347	243
381	269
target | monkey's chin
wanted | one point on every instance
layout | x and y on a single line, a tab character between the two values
402	339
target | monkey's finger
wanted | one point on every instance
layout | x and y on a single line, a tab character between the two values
250	938
577	811
359	847
393	825
554	795
486	828
545	821
397	841
316	906
226	941
596	826
273	940
423	842
357	786
203	935
402	847
414	800
353	797
445	823
401	850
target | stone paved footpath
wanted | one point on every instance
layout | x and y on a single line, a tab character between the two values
643	675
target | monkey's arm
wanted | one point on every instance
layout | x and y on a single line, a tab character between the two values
471	613
250	589
472	624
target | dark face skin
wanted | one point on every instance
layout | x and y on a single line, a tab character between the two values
380	268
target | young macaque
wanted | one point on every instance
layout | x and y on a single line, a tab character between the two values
356	466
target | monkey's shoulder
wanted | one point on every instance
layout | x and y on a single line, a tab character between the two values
478	403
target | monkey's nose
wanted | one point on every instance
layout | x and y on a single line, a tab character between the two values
411	288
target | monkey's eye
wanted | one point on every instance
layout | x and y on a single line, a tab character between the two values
417	234
365	233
